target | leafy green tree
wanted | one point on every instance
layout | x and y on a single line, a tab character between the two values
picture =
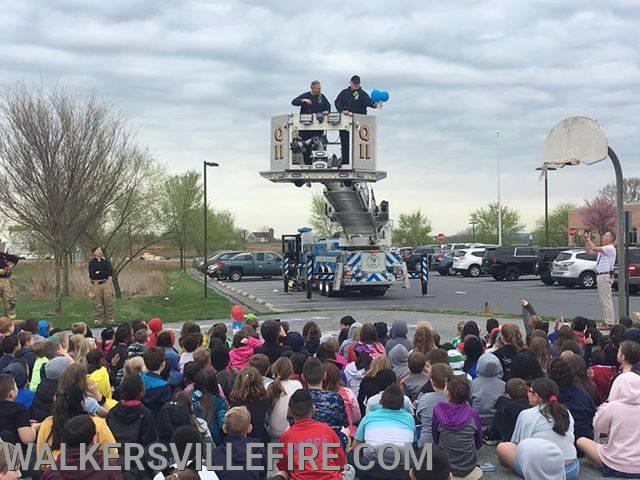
412	230
322	225
181	208
487	223
558	226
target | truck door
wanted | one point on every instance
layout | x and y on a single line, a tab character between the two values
259	264
272	264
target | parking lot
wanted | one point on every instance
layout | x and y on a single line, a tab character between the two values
447	293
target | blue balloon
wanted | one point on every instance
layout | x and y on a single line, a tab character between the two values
379	95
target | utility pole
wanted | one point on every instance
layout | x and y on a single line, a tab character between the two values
206	164
499	200
473	230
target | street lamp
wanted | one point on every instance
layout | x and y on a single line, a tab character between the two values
206	164
473	224
577	140
545	170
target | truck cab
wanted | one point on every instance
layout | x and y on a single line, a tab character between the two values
252	264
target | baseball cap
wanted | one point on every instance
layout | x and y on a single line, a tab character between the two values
355	79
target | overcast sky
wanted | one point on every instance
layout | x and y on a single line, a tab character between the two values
200	80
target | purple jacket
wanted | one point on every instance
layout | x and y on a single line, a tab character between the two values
455	417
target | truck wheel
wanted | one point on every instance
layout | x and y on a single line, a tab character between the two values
235	275
547	280
452	272
587	280
474	271
330	292
512	274
323	288
444	273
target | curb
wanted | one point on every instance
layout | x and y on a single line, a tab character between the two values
269	306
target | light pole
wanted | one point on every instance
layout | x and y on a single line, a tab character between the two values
499	202
206	164
473	230
545	171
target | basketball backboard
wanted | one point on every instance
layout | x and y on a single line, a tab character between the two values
573	141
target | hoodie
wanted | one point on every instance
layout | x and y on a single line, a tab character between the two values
487	387
239	356
82	469
233	452
582	408
398	336
506	415
155	325
131	422
350	338
539	458
399	356
157	391
354	377
457	428
619	418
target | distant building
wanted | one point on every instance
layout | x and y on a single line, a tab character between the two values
575	221
261	237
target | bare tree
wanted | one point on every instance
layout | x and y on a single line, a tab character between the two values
631	190
63	160
599	215
133	222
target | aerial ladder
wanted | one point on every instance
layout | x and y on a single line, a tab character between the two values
361	258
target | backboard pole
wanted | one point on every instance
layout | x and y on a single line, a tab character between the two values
623	298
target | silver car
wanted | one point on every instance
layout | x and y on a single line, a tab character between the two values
575	267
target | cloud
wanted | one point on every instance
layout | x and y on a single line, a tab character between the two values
200	80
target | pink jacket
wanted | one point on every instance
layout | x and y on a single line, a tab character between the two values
239	357
352	407
619	418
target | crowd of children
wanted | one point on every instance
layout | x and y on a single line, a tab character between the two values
547	397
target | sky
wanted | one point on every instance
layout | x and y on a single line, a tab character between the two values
199	80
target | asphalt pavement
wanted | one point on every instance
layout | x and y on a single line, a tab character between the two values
445	293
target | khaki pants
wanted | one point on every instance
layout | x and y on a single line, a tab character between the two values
103	299
8	297
605	282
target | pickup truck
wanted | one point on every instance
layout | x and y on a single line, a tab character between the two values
254	264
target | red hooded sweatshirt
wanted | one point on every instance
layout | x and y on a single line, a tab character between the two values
155	325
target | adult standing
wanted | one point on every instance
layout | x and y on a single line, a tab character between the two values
352	99
102	295
7	262
605	264
313	102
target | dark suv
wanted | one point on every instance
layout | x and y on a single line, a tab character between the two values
508	263
413	261
633	267
546	256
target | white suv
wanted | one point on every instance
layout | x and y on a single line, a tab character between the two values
575	267
468	261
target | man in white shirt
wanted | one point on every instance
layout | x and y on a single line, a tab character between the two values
605	266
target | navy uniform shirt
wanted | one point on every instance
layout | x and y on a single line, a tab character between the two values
318	104
102	267
354	101
6	258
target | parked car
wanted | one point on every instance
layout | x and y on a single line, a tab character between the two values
443	263
468	261
509	263
254	264
546	256
212	263
454	246
633	267
575	267
413	260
